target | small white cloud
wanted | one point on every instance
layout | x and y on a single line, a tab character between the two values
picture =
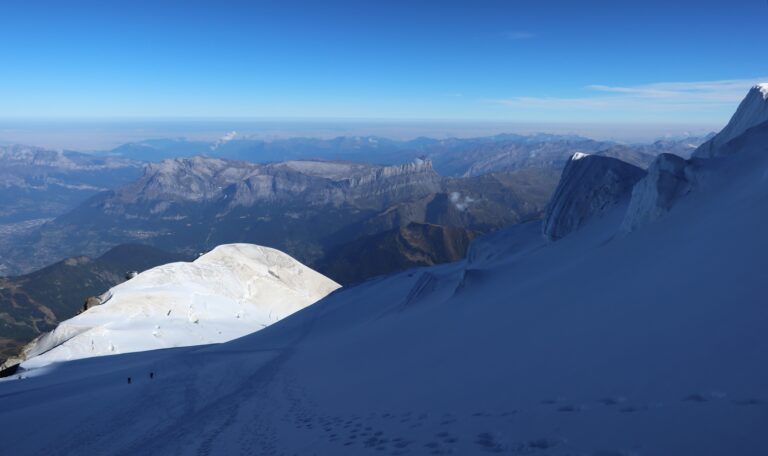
460	203
224	139
229	136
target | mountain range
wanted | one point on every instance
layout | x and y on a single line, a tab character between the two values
533	161
630	320
325	213
37	183
304	208
450	156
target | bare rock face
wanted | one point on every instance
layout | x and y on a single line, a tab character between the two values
669	178
589	185
93	301
752	111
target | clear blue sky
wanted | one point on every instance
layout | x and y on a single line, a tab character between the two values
558	61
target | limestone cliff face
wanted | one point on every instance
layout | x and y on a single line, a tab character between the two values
234	183
589	186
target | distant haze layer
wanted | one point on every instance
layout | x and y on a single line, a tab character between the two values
95	135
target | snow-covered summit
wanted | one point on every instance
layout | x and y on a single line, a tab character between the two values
752	111
232	291
763	87
589	185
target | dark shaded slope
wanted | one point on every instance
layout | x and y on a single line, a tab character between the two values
414	245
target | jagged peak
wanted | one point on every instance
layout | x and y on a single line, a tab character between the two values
752	111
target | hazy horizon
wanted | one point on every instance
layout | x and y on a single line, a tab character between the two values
101	135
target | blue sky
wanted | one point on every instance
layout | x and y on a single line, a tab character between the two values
505	61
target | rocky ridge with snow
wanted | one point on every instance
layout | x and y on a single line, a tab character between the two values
752	111
589	185
671	177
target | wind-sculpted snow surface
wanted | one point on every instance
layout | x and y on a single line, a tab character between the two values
232	291
589	186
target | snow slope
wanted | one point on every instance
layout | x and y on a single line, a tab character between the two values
603	343
231	291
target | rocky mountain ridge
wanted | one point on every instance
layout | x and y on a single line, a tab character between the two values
301	207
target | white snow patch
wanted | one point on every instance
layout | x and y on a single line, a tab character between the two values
578	156
763	87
